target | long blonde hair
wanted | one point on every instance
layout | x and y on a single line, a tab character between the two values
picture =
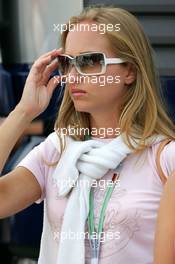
143	113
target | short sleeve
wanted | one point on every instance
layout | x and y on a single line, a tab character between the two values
167	158
35	161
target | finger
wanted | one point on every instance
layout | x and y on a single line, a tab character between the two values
48	56
53	83
49	70
52	52
43	62
40	65
47	53
55	54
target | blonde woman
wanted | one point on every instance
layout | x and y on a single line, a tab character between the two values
112	85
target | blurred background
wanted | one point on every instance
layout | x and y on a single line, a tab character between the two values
28	28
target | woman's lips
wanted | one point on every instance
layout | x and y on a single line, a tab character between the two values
78	92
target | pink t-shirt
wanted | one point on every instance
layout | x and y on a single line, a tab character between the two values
130	214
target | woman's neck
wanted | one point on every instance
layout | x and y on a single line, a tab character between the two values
104	126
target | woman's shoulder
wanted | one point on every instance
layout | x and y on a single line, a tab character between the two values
168	148
46	150
52	141
168	152
50	146
167	156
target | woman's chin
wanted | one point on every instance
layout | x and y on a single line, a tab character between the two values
81	108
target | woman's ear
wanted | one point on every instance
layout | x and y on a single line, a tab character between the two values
130	74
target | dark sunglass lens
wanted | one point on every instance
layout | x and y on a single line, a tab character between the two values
90	63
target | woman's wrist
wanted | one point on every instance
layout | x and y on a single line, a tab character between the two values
23	114
11	130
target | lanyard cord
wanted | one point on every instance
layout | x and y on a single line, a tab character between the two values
103	209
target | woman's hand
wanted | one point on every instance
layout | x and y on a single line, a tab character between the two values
38	89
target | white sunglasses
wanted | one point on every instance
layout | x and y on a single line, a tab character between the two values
90	63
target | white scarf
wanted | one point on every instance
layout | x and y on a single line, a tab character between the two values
82	162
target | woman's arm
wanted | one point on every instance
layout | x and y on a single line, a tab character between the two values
34	128
19	188
35	98
10	131
165	231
